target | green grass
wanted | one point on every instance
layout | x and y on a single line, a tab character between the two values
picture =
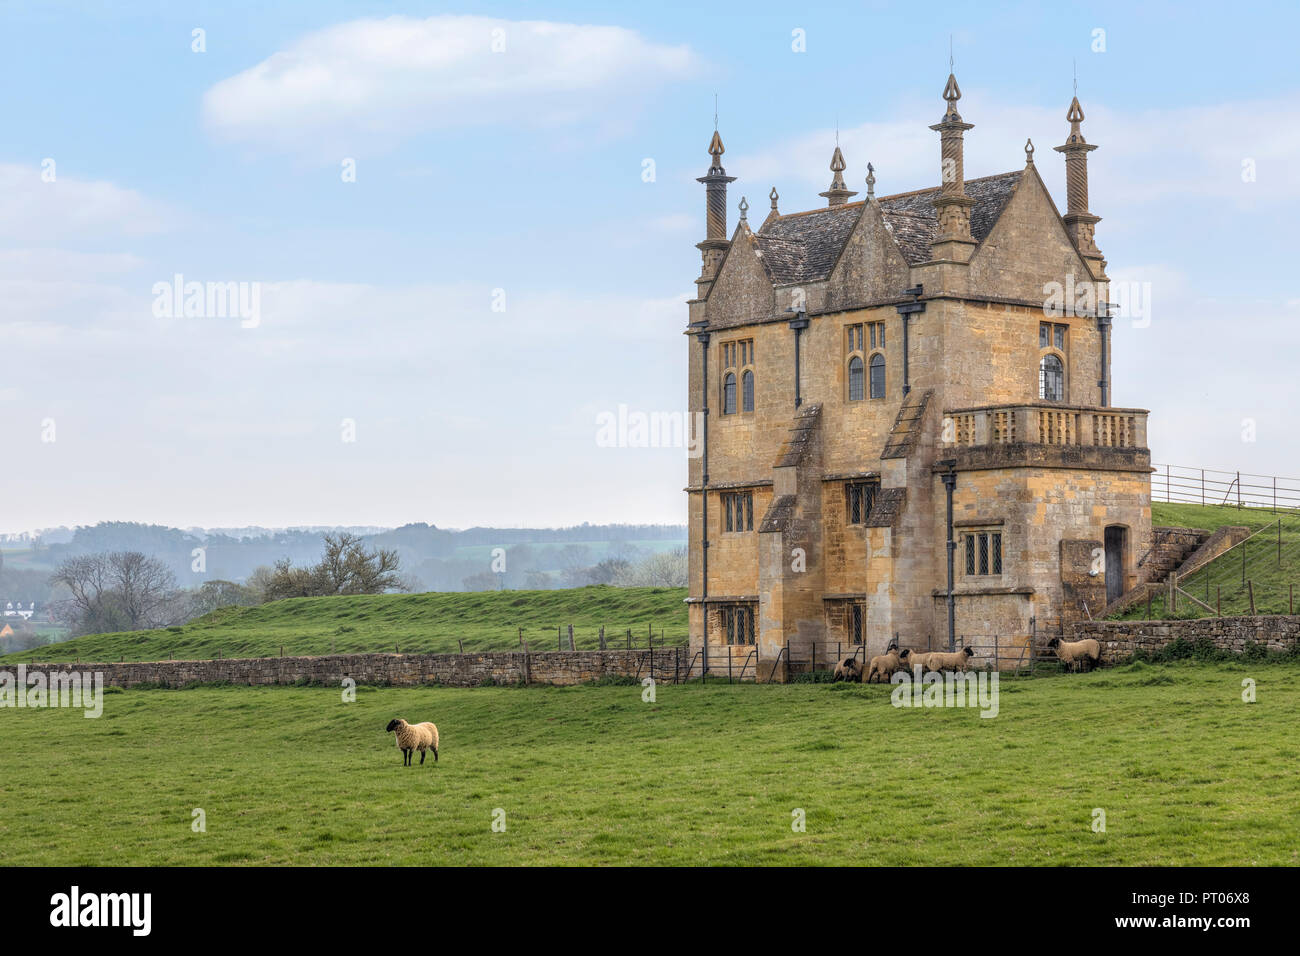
1186	772
1222	583
484	620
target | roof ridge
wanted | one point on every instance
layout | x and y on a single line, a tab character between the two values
930	189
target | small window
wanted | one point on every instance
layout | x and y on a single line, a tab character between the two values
1051	379
738	511
877	376
859	496
747	391
729	394
737	623
855	379
857	623
1044	335
1058	340
983	553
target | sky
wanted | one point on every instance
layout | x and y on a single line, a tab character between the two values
470	231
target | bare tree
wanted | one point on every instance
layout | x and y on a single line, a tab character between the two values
117	591
667	569
346	567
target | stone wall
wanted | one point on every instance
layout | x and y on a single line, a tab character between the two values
1120	639
559	668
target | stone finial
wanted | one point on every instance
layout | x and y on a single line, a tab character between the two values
871	181
838	194
714	245
1029	152
952	207
951	94
1075	116
774	197
744	208
1079	220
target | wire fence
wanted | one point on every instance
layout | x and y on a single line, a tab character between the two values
1207	486
1258	575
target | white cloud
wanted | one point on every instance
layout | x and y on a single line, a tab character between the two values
382	80
69	208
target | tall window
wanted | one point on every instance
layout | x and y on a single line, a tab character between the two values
737	366
738	511
877	376
1052	340
737	623
1051	379
983	553
862	339
858	499
857	623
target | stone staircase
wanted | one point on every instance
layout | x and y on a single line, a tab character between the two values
1177	549
907	424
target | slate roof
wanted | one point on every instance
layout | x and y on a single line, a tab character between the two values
804	246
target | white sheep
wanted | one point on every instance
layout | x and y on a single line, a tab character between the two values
1075	653
921	659
412	737
943	661
848	669
884	665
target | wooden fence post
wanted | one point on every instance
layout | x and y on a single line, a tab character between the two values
602	637
1250	586
461	645
572	646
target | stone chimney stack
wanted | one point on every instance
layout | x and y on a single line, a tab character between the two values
714	247
838	194
953	205
1079	222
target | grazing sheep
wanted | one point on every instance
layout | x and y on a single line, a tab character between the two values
943	661
412	737
1076	653
884	665
918	659
848	669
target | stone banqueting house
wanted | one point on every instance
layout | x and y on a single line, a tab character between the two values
854	360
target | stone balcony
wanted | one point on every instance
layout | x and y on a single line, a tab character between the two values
1046	434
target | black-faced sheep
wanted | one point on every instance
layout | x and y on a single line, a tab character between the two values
1077	653
884	665
413	737
943	661
848	669
919	659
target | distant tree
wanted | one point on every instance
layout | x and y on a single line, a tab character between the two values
346	567
667	569
606	571
258	582
214	594
538	581
117	591
482	581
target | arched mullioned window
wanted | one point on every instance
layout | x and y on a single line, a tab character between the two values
1051	379
747	391
855	379
877	376
729	394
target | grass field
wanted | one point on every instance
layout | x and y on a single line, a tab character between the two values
1270	561
1185	771
484	620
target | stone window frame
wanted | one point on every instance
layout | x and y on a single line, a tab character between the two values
863	341
869	489
1052	333
991	554
737	360
738	620
872	365
736	503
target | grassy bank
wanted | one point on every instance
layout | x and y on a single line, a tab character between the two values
432	622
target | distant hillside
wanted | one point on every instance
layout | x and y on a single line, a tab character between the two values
433	559
432	622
